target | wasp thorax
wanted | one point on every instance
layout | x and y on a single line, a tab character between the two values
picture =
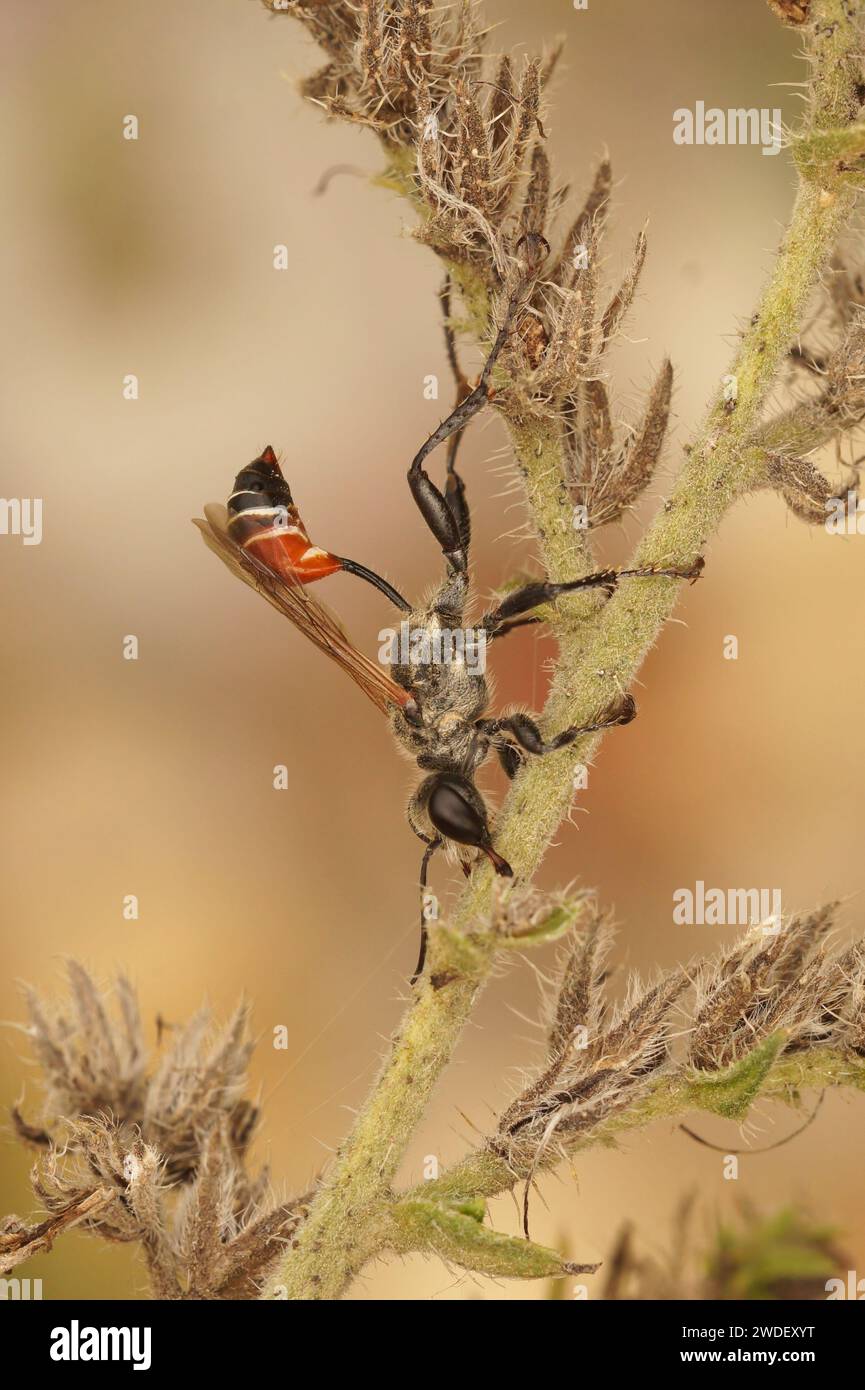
450	723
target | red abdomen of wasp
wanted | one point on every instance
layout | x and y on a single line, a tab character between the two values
263	519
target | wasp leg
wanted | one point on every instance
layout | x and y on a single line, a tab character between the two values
431	847
544	591
455	488
504	628
509	756
529	739
432	504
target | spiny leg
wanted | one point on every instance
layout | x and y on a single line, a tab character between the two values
544	591
504	628
432	504
455	489
509	756
432	846
528	737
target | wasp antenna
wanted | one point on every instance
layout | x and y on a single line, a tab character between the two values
430	850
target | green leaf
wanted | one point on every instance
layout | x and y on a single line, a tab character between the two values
454	1230
552	926
475	1207
732	1091
766	1256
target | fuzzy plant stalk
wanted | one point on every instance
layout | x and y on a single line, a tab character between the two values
464	143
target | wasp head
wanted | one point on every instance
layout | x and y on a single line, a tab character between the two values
456	810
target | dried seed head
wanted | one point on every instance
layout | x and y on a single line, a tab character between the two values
624	297
593	214
805	490
154	1156
502	104
371	42
845	375
604	477
598	1060
90	1063
771	992
636	464
579	1001
769	981
536	204
794	12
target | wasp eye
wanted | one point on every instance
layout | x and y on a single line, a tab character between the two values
453	814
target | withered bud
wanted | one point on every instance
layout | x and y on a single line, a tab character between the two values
624	297
793	12
805	490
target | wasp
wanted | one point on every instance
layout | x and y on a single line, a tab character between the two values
438	709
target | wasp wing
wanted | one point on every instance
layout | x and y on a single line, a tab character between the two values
316	622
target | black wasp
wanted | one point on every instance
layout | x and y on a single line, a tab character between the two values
437	707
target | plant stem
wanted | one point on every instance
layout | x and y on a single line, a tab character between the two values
349	1215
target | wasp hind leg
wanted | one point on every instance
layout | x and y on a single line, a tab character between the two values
446	514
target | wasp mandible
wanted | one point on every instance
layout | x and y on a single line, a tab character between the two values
437	709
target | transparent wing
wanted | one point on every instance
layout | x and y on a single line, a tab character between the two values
316	622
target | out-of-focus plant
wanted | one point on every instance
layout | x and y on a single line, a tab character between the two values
152	1152
781	1256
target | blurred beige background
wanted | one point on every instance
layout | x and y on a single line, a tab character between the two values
154	777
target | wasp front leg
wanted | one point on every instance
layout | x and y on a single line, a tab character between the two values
517	734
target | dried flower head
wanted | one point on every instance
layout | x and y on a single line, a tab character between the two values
773	995
149	1153
770	981
599	1059
829	395
465	140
